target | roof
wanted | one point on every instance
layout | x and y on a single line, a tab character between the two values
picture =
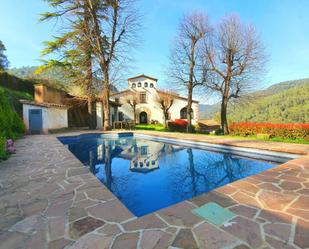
142	75
121	92
176	95
208	122
47	105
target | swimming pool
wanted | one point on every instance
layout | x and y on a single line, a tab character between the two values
147	174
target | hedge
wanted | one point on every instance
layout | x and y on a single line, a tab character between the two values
179	125
11	126
293	130
15	83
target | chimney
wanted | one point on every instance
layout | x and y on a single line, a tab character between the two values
39	90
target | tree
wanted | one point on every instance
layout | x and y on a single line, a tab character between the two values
73	46
4	63
133	100
115	26
236	57
186	56
165	101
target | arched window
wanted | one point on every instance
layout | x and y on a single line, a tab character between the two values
183	113
145	84
139	84
133	85
151	85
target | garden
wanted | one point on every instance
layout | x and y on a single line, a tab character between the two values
289	133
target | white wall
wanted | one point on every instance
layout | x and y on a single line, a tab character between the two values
57	118
52	117
26	109
152	105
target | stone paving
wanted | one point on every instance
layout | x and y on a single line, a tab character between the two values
48	199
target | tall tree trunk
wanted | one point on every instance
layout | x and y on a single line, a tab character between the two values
224	124
88	63
134	113
164	119
189	114
106	106
190	85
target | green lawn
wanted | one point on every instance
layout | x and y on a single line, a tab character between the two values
151	127
159	127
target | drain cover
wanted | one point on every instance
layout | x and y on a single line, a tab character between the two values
214	213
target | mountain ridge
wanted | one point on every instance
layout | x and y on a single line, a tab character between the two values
286	100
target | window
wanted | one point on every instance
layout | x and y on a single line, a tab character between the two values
151	85
183	113
133	85
139	84
144	150
145	84
143	98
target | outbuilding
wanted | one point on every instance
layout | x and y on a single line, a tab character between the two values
40	118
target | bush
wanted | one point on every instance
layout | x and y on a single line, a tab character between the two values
11	126
179	125
291	131
3	154
15	83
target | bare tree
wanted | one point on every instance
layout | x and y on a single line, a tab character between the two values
165	101
132	99
236	57
186	56
115	26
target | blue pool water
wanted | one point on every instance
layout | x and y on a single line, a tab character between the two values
148	175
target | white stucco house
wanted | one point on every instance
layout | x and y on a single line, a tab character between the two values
148	109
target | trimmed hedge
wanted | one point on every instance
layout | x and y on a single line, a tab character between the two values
293	131
179	125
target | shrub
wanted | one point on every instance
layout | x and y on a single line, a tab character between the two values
178	125
3	154
15	83
293	131
11	126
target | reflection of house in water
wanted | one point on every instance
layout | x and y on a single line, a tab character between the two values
144	154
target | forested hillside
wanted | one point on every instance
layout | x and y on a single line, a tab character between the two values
281	103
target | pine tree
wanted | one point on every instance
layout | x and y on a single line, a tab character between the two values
4	63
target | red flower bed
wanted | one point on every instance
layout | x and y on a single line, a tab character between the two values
178	125
296	130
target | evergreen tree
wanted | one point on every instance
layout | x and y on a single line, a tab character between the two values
73	47
4	63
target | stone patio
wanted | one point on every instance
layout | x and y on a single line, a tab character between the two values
48	199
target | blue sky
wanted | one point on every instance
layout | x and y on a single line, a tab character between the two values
283	25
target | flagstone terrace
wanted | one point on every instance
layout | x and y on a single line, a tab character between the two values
48	199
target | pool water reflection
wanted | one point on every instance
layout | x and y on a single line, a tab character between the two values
147	175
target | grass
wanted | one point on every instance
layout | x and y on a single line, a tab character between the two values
151	127
16	94
159	127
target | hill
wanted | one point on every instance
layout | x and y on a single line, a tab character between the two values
280	103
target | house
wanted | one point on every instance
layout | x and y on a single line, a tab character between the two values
148	110
54	109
